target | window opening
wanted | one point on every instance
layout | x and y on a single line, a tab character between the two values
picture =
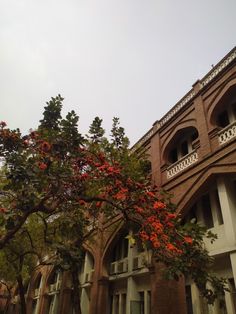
189	299
223	119
218	208
184	148
173	155
207	213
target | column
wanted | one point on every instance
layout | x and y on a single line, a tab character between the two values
147	300
227	206
195	299
84	302
229	303
233	264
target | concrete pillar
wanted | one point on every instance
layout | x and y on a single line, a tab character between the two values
214	208
195	299
132	294
228	210
229	303
147	300
233	264
84	302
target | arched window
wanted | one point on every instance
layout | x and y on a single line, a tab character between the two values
180	145
224	112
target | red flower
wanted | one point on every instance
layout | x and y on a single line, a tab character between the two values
143	235
139	210
121	195
151	219
42	166
45	146
156	244
170	247
2	210
82	202
171	216
157	226
153	237
84	176
188	240
159	205
33	134
113	170
150	194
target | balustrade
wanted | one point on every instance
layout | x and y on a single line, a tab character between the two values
227	133
182	164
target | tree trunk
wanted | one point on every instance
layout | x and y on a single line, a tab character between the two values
76	294
22	295
7	303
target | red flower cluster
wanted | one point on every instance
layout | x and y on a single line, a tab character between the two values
159	205
139	209
121	195
188	240
173	248
143	235
42	166
45	147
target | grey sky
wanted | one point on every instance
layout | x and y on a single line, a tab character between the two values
128	58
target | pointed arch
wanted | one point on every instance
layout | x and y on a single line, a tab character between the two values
36	280
120	229
223	95
199	184
183	128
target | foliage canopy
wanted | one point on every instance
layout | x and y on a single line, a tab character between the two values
60	182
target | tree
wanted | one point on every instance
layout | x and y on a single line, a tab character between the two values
20	255
56	173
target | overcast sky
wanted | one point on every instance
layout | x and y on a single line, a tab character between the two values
133	59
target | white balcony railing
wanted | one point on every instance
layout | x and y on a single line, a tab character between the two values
119	267
139	262
227	133
182	164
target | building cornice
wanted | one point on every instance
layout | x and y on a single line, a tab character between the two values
203	83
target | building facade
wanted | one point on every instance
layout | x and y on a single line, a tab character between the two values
192	150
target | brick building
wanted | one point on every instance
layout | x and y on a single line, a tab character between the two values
193	155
